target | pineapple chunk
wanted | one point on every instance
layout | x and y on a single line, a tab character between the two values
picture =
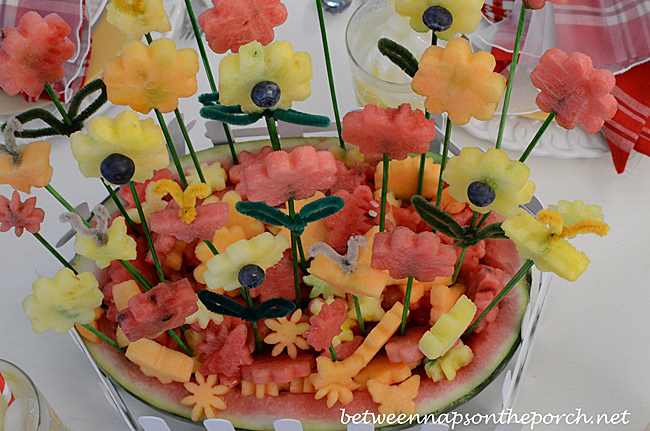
448	364
444	333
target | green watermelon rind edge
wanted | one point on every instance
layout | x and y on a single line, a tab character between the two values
458	397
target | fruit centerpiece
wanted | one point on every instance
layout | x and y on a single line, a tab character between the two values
295	277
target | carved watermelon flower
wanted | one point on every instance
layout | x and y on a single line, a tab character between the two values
459	82
542	238
407	254
60	302
466	15
140	140
574	90
33	53
206	396
539	4
137	17
233	23
489	180
151	77
395	132
264	250
20	215
255	64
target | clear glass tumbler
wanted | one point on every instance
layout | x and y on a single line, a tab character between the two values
375	78
29	411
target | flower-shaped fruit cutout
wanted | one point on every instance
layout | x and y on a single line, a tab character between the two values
233	23
151	77
33	53
395	399
20	215
141	141
407	254
489	180
26	166
459	82
395	132
101	244
445	17
138	17
60	302
281	176
264	250
203	316
277	74
539	4
574	90
287	333
542	239
215	176
206	396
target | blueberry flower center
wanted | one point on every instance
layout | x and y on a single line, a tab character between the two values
265	94
251	276
437	18
480	194
117	169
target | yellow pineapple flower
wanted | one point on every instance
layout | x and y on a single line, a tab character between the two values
137	17
186	199
542	238
507	178
206	396
239	73
222	239
215	176
151	77
466	15
287	333
60	302
456	81
140	140
264	250
203	316
119	245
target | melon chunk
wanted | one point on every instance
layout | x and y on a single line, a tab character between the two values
383	370
442	336
164	363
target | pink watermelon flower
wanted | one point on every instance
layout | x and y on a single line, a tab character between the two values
396	132
233	23
538	4
209	218
574	90
404	253
33	53
281	176
20	215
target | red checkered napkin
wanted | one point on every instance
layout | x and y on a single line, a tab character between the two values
496	10
73	12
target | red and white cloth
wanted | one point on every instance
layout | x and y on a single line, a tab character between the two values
74	14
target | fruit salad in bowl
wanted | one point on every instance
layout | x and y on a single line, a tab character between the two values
290	277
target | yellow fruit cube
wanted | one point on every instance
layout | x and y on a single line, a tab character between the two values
444	333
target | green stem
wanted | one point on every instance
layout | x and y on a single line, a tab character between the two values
103	337
188	141
57	103
333	353
513	281
176	338
273	131
483	219
146	285
384	193
458	264
170	146
211	246
540	132
407	302
357	308
246	293
292	214
296	273
54	252
511	76
443	162
208	72
118	202
330	76
147	234
423	161
148	37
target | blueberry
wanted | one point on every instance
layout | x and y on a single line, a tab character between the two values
266	94
480	194
251	276
437	18
117	169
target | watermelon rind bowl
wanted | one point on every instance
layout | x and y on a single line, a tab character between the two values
493	349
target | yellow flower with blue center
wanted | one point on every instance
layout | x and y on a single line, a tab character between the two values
543	238
466	15
137	17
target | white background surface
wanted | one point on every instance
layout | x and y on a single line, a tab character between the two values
592	350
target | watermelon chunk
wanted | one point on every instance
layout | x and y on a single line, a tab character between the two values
163	244
347	179
164	307
483	284
209	218
278	281
406	348
345	349
277	369
140	188
326	324
234	354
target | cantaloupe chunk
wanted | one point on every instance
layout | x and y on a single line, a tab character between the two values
193	338
451	325
248	388
443	299
33	171
166	364
301	385
384	371
174	259
86	333
396	399
403	177
364	281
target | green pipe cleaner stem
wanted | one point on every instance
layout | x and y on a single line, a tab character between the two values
463	251
292	215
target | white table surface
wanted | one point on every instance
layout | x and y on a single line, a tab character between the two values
590	354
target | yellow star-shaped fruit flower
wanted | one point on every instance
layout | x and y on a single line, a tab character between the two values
203	316
397	399
206	396
287	333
